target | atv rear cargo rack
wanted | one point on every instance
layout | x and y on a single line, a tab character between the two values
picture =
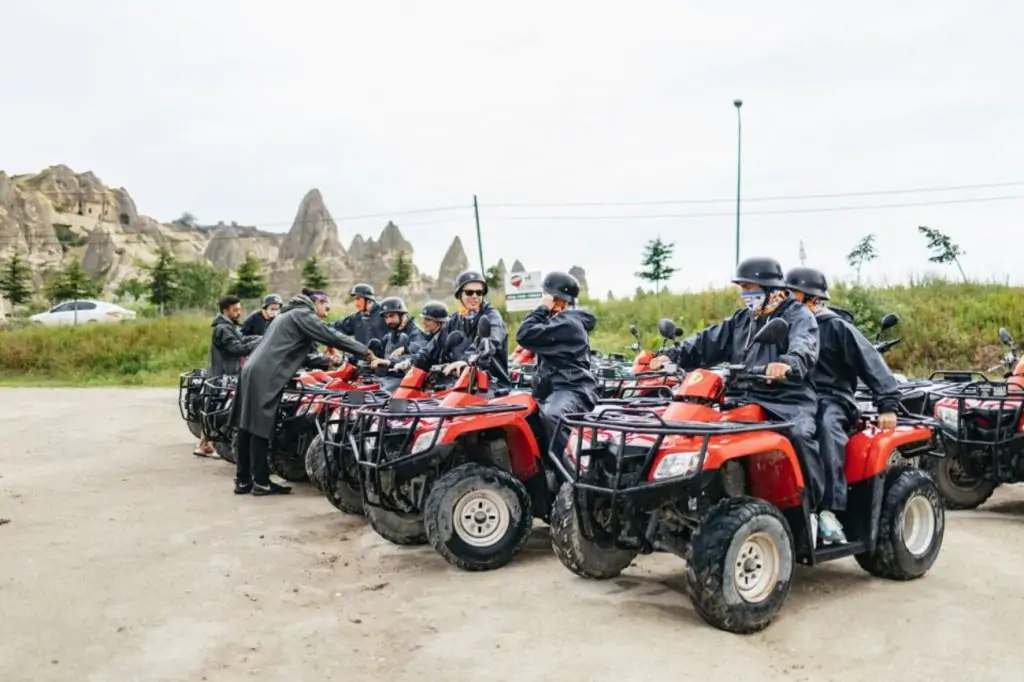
215	412
618	386
1004	405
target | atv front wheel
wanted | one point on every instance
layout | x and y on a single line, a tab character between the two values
316	462
195	428
478	517
342	488
583	557
959	490
228	450
396	527
739	565
287	465
911	526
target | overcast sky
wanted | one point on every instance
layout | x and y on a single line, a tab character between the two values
232	110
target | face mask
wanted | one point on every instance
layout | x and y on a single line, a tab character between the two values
753	299
271	313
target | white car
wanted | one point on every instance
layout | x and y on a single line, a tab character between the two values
82	312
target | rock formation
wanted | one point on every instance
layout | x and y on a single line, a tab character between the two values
517	266
581	276
313	231
454	263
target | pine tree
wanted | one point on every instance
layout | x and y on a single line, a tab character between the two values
401	276
656	263
313	276
163	279
14	281
72	283
250	283
493	278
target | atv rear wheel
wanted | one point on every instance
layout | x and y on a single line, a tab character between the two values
228	450
396	527
911	527
583	557
959	490
287	465
478	517
739	565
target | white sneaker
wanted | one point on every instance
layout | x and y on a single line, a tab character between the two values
831	530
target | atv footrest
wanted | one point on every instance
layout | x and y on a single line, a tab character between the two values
833	552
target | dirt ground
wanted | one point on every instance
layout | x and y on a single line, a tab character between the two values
126	558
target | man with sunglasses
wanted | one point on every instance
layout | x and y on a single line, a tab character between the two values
470	290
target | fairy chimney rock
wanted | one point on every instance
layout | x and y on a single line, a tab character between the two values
454	262
517	267
392	241
357	249
581	276
313	233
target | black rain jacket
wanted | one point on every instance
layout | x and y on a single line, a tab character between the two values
431	353
227	347
561	344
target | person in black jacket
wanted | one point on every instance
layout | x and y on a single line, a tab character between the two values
844	357
288	344
433	316
559	335
366	323
397	319
470	290
256	324
228	346
791	395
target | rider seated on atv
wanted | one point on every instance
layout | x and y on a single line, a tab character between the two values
397	319
794	399
366	323
470	289
228	345
256	324
558	334
845	355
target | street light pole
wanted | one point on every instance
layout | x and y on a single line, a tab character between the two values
739	167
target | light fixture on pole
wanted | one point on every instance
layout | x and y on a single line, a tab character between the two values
738	103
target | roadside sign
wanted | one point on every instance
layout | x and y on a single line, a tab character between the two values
522	290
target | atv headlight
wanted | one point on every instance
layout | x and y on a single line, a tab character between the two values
425	440
677	464
947	416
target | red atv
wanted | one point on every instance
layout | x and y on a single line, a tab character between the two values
642	381
465	474
981	426
724	489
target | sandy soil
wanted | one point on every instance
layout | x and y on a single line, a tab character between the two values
126	558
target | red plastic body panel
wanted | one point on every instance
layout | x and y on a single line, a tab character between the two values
701	383
523	449
867	453
642	362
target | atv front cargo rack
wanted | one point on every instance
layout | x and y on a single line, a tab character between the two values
190	390
618	386
218	395
1002	409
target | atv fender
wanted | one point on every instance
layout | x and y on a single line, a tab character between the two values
868	452
523	449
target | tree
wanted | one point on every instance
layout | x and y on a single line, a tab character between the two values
943	249
657	263
71	283
313	276
200	284
163	279
250	283
401	276
863	252
14	280
188	220
131	288
493	278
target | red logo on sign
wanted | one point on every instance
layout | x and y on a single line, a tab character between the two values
516	281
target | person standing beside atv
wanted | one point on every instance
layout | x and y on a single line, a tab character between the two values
256	324
794	400
366	323
845	356
558	334
268	371
228	346
470	289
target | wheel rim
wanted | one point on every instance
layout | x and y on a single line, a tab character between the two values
756	570
481	518
917	525
958	476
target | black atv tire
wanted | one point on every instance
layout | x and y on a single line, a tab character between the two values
339	490
228	451
722	544
909	495
453	510
287	465
396	527
583	557
195	428
316	463
956	494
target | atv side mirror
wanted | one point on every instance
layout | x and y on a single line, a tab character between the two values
667	328
483	328
1005	337
633	332
403	340
376	347
775	332
454	339
889	321
679	333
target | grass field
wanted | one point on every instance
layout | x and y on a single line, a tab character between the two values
944	325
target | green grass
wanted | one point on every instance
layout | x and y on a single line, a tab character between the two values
944	325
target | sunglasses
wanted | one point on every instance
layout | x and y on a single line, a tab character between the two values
473	292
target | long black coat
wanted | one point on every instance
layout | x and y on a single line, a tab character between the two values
286	346
228	346
432	352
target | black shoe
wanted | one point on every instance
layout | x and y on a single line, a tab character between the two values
243	488
270	489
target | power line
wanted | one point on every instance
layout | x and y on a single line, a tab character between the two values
793	197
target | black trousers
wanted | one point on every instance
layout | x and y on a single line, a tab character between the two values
553	407
833	434
251	459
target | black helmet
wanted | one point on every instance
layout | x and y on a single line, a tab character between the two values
467	277
808	281
561	285
362	289
435	310
392	304
765	272
272	299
